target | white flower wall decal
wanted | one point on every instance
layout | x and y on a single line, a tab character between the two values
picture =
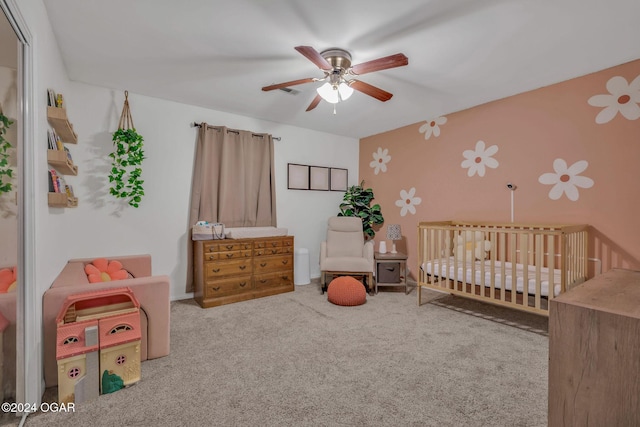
432	127
380	160
622	98
566	180
408	201
478	159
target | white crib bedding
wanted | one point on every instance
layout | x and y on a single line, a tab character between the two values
434	268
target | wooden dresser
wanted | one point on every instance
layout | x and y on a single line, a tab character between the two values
232	270
594	348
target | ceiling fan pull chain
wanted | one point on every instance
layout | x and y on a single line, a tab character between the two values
334	108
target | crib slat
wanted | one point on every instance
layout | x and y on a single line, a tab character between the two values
503	260
492	264
524	252
514	277
551	264
564	263
437	257
539	249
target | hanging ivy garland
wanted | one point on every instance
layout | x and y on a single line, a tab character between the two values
126	160
6	173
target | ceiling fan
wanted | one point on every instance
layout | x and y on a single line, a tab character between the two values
337	68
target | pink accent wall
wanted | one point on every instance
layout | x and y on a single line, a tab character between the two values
542	138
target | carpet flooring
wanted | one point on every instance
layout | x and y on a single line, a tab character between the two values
297	360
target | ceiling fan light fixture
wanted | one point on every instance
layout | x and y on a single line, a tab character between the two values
345	91
328	93
334	93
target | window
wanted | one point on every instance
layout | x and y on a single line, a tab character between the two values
120	328
73	373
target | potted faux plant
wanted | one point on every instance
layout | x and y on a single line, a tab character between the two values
6	173
357	202
125	176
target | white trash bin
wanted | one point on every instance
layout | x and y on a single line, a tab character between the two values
301	267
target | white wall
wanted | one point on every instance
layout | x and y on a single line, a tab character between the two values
104	226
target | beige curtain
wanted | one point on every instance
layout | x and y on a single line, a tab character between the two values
233	181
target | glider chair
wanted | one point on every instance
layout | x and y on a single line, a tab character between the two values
345	252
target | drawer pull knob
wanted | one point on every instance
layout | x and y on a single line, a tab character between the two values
263	264
210	257
215	270
211	249
274	243
243	284
242	267
274	251
263	280
285	261
230	255
217	288
285	277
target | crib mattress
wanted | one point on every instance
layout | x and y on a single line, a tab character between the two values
252	232
439	268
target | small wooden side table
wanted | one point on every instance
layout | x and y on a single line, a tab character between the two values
397	260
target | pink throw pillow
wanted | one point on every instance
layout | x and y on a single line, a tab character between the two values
101	270
8	279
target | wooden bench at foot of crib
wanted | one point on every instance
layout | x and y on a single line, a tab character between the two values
521	266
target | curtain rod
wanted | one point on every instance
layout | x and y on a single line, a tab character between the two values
198	125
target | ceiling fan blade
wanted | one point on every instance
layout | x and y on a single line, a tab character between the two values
287	84
314	56
314	103
392	61
376	92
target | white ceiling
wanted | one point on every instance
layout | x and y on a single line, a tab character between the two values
218	54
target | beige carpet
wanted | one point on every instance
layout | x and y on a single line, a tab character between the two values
297	360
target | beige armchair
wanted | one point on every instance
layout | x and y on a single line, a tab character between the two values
345	252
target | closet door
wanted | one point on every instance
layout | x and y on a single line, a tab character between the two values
18	337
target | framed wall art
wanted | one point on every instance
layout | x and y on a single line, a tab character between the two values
339	179
318	178
297	177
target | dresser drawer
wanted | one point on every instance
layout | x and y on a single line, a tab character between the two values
273	280
230	245
267	243
283	245
269	251
214	256
226	268
211	246
272	263
234	254
224	287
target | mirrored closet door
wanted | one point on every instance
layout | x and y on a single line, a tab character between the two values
9	227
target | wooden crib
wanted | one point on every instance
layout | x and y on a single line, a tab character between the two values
514	265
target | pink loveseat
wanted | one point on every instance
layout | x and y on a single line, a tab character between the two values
8	330
151	291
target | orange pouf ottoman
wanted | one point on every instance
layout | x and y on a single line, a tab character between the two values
346	290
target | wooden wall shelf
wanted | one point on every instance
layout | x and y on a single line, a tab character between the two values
57	118
61	162
58	200
61	200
